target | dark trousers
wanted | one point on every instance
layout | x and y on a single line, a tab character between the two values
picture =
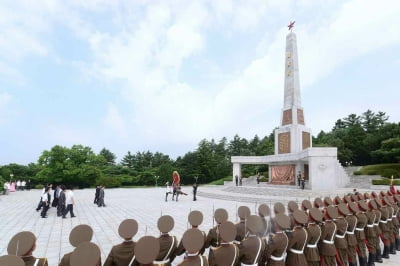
96	199
194	196
100	202
39	205
44	210
60	209
70	208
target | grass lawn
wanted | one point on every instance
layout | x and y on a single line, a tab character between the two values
385	170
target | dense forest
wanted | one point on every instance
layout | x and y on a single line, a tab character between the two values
361	139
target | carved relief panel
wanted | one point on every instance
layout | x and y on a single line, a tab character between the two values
287	117
282	174
284	142
300	117
306	140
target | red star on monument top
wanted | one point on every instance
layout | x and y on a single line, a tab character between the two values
291	25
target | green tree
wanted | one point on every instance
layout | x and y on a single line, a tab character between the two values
108	156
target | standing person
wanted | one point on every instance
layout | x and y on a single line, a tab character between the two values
303	182
252	248
174	186
23	184
258	178
100	202
276	247
28	185
167	191
298	178
228	253
45	203
168	243
236	179
240	181
56	196
194	191
61	202
96	195
297	241
18	185
69	202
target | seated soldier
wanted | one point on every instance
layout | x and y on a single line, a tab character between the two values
123	254
22	245
79	234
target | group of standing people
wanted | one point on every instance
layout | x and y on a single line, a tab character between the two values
13	186
301	181
176	190
63	200
99	196
238	180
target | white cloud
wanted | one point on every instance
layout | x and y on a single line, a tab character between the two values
115	122
5	99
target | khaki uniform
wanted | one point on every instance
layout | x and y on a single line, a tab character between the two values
240	231
31	260
168	245
226	254
326	245
197	260
351	238
360	235
264	229
377	228
311	250
391	224
212	237
275	250
121	254
295	249
181	249
340	240
370	232
65	259
383	224
251	250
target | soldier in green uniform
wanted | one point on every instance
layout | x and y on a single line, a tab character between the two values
378	232
79	234
193	241
306	205
220	215
292	206
227	253
123	254
264	213
168	243
326	245
340	238
195	218
276	247
297	240
87	254
313	235
370	232
383	224
22	245
350	236
243	213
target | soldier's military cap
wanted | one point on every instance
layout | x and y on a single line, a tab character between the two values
282	220
243	212
193	240
347	199
360	196
300	217
328	201
292	206
315	214
263	210
79	234
165	223
21	243
279	208
227	231
362	205
378	202
128	228
85	254
388	193
332	212
353	207
337	200
366	196
354	198
220	215
374	195
382	194
372	204
195	218
306	205
318	203
147	249
254	224
11	260
343	209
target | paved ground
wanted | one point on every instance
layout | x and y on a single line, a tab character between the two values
17	213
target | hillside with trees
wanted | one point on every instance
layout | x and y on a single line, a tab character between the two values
361	139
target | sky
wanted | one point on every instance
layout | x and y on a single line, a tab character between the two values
140	75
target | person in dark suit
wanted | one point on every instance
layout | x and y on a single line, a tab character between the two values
61	202
194	191
100	201
97	194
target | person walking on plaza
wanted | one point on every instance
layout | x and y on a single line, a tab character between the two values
56	196
195	191
18	185
240	181
69	202
100	201
28	185
96	194
23	184
61	202
45	203
167	191
236	179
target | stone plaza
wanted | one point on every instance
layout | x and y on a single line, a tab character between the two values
17	212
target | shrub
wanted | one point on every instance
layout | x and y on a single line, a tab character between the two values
264	179
385	181
109	181
357	173
39	186
221	180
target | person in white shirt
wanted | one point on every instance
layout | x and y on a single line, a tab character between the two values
69	202
23	184
18	185
167	191
45	203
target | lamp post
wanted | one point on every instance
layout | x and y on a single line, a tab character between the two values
156	178
195	178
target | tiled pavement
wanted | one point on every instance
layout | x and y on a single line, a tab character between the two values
17	213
